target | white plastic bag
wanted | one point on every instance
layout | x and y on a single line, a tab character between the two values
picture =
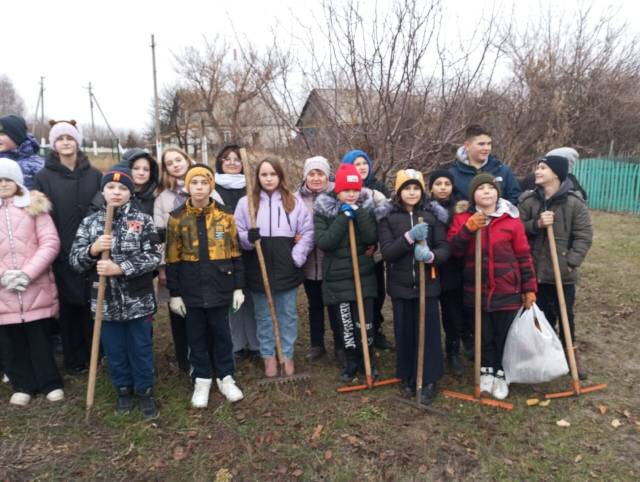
533	352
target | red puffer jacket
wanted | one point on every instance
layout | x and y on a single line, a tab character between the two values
507	266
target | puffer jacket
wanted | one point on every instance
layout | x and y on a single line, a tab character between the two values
27	157
451	270
571	227
332	237
463	172
397	252
204	264
313	266
135	248
284	257
28	242
507	267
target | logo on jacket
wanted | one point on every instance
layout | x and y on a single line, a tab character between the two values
135	226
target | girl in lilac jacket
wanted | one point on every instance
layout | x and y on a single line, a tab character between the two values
28	297
285	230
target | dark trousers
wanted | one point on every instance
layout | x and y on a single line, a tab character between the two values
129	349
209	339
406	314
349	323
452	319
29	361
179	335
313	288
548	303
495	326
378	319
76	328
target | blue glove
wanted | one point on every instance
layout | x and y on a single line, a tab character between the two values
422	252
348	210
419	232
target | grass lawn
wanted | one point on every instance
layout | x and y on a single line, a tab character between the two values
309	432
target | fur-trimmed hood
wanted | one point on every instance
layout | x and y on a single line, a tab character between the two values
393	205
328	205
503	207
38	203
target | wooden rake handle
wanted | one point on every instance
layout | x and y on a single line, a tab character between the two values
97	325
422	320
477	311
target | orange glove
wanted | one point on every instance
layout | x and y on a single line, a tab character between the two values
528	299
476	221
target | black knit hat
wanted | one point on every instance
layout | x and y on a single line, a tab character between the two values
480	179
440	173
121	174
15	127
558	164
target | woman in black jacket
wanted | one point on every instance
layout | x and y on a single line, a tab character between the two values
400	236
70	183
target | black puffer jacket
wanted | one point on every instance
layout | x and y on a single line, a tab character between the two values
402	269
451	270
70	193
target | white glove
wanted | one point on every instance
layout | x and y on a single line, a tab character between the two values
238	299
17	280
8	276
177	306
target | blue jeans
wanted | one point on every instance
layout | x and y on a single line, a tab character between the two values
129	351
287	313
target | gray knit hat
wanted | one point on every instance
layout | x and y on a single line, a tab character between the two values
569	153
9	169
316	162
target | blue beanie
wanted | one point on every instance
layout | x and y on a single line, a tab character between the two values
351	156
118	174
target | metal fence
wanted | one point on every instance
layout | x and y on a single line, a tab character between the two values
611	184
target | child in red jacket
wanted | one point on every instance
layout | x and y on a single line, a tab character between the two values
508	278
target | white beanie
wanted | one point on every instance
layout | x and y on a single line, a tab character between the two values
62	128
9	169
316	162
569	153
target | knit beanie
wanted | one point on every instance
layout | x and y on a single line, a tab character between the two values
404	177
316	162
569	152
61	128
558	164
478	180
118	174
199	170
9	169
347	177
351	156
15	127
438	173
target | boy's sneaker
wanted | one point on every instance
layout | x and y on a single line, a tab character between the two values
124	405
229	389
56	395
500	387
350	365
21	399
486	380
148	405
201	388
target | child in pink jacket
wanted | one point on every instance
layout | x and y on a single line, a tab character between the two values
28	298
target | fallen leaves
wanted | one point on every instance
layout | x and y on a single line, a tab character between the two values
422	469
317	432
577	459
545	403
328	455
615	423
180	453
532	402
603	409
563	423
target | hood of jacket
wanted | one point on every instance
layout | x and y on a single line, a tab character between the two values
53	162
328	205
150	188
394	205
492	164
29	147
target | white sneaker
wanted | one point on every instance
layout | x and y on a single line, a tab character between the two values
500	387
21	399
56	395
200	398
229	389
5	378
486	379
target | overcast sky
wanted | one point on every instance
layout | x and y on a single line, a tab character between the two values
108	43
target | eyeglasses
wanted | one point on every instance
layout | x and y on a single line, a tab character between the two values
231	161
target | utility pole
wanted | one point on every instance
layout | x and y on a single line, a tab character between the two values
155	99
42	141
93	125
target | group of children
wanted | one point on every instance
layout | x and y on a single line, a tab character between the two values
190	227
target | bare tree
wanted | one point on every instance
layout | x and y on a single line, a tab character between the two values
10	100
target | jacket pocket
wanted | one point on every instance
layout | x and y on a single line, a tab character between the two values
140	285
225	271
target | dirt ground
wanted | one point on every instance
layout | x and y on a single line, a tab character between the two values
309	432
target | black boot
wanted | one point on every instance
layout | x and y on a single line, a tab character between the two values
148	405
350	365
408	390
453	358
124	405
375	374
380	341
469	348
428	394
315	353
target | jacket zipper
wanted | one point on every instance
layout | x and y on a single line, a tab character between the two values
413	262
14	260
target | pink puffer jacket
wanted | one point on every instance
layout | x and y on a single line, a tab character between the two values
28	242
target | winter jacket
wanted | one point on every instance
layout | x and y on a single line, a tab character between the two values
571	226
204	263
507	267
28	242
332	237
451	270
313	266
397	252
70	193
135	248
26	155
284	258
378	185
144	199
463	172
